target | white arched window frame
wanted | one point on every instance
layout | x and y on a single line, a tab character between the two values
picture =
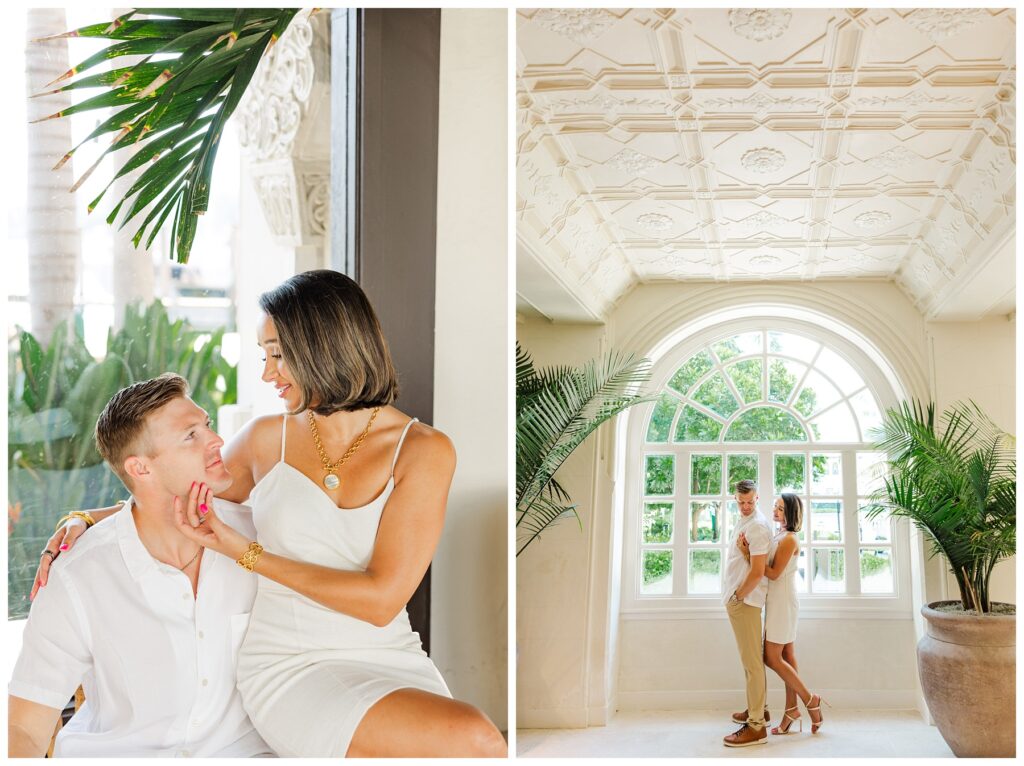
683	598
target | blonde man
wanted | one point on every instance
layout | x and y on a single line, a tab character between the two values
147	621
745	591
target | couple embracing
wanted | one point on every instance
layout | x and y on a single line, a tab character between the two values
201	627
760	573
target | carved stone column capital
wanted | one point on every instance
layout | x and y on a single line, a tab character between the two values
284	130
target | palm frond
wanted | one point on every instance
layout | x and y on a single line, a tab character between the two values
171	107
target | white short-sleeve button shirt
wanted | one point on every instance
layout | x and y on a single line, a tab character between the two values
156	663
759	537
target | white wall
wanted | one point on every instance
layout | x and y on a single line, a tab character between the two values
469	619
684	663
977	360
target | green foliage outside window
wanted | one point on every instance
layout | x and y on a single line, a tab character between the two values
705	562
690	372
873	562
660	478
695	426
661	419
705	474
658	522
716	396
657	564
766	424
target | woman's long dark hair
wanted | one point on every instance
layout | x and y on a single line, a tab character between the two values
793	511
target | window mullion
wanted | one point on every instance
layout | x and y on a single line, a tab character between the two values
851	532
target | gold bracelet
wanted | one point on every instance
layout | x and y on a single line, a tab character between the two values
248	559
89	520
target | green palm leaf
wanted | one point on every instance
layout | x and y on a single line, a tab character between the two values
557	409
956	482
170	108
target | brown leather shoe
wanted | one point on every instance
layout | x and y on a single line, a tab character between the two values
742	717
746	736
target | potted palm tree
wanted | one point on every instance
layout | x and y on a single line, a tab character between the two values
956	482
557	408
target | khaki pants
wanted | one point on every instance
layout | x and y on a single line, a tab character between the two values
746	626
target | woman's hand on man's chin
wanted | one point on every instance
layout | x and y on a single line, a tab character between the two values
198	521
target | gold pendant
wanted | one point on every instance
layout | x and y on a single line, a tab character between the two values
331	481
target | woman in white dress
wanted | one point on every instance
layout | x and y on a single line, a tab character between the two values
781	613
348	497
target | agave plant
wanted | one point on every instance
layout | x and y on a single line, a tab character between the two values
557	408
957	484
171	106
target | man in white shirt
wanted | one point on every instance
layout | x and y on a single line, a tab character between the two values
144	619
745	591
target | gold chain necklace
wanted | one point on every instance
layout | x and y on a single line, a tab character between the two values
198	551
331	480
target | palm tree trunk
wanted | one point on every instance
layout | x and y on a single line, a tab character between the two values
53	235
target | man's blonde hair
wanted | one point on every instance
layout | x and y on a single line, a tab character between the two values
121	427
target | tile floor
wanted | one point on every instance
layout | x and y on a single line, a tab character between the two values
698	733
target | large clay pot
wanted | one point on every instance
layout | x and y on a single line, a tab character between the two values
968	669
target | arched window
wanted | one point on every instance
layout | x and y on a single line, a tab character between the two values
780	406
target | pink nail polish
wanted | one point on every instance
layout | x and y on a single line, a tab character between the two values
64	546
203	508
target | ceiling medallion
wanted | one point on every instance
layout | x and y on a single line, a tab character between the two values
763	160
632	163
873	219
939	24
655	221
893	159
759	23
762	220
581	25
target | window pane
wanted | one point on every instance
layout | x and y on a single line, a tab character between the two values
765	424
741	467
839	371
705	522
705	474
829	575
792	345
716	396
827	474
870	470
827	520
657	579
866	409
661	419
705	573
737	345
816	394
874	530
801	571
747	378
782	377
790	473
835	425
687	375
661	478
876	570
695	426
732	517
658	522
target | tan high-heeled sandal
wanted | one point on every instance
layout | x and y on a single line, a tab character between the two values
787	728
815	725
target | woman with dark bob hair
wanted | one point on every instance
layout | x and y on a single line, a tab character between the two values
348	497
781	613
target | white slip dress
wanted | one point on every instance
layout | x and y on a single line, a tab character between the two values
306	673
782	607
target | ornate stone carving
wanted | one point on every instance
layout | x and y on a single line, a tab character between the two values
760	104
275	102
938	24
632	163
759	23
912	100
765	260
763	160
284	130
897	158
762	220
603	103
581	25
841	79
873	220
655	221
679	80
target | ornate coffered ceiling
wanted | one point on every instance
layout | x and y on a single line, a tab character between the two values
660	144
